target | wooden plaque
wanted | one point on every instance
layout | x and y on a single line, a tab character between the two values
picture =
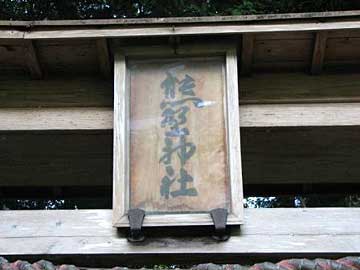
176	136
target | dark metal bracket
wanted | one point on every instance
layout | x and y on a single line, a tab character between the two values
136	218
219	217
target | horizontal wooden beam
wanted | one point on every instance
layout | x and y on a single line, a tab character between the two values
302	232
56	119
257	115
275	88
180	20
295	115
56	92
135	31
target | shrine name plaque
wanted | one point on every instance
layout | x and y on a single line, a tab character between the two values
176	136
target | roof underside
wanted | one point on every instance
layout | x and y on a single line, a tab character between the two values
284	42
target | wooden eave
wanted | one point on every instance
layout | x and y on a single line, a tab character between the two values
179	26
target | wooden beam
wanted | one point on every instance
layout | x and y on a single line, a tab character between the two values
11	34
248	41
104	57
56	92
276	88
319	52
265	115
32	60
296	115
135	31
56	119
301	232
179	20
293	156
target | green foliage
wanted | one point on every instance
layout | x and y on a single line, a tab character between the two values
101	9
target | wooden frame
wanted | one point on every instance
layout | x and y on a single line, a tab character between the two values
121	176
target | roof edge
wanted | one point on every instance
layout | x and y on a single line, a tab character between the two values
185	20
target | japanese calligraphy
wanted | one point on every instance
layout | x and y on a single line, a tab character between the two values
179	95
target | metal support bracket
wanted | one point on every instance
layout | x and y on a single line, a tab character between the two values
136	218
219	217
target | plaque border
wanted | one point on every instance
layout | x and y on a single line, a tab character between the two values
121	160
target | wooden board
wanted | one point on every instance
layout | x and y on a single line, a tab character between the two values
56	119
270	156
282	54
56	159
299	88
69	57
206	136
254	115
144	78
134	31
292	115
301	155
267	232
55	92
259	88
202	19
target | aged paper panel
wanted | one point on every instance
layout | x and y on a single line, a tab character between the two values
178	158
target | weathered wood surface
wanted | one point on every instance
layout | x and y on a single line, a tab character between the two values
259	88
299	88
255	115
72	58
147	135
204	19
132	31
174	30
282	51
56	119
320	231
293	115
301	155
56	159
55	92
269	155
278	51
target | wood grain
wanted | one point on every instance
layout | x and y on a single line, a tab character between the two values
56	119
251	115
202	54
132	31
56	158
84	158
55	92
206	128
202	19
297	87
306	232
